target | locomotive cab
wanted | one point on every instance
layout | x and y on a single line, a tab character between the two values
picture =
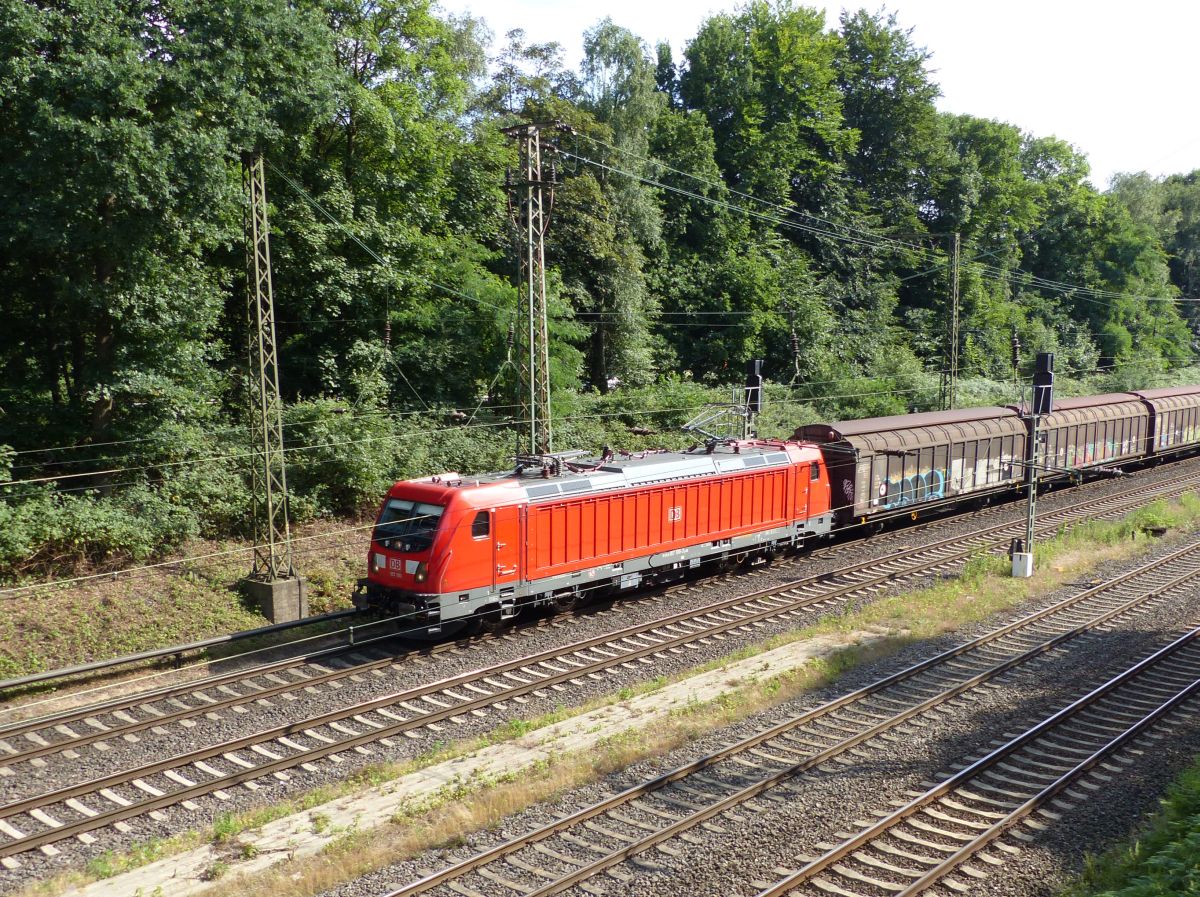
405	531
421	526
401	555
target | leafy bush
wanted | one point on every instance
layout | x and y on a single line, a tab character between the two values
342	458
44	529
1162	861
338	459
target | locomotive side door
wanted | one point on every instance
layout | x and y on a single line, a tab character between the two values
506	542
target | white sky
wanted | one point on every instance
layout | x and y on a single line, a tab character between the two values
1117	80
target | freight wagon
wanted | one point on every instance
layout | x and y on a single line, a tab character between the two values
888	466
1093	431
1175	419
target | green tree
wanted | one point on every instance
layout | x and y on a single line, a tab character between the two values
120	134
618	90
406	180
888	100
764	76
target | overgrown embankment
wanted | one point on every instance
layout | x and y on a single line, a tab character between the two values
108	616
1162	861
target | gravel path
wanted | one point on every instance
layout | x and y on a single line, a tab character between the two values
742	852
58	770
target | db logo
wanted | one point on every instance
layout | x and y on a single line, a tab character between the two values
674	515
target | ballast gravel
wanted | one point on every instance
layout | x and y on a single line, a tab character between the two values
59	770
744	850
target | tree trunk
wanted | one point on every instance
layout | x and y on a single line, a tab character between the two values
597	364
103	406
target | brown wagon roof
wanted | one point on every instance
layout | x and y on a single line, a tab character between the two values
911	421
1073	403
1167	392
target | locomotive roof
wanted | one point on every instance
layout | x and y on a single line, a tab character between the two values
641	469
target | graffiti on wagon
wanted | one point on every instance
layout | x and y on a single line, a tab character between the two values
932	483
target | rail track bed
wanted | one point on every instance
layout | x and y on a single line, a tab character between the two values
620	842
44	712
87	813
359	649
956	830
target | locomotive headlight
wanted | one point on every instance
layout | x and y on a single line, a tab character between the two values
422	572
378	562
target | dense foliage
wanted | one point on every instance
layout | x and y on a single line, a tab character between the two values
780	187
1164	858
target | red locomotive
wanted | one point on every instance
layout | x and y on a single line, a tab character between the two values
455	550
449	549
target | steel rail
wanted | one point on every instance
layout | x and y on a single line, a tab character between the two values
156	653
64	718
1051	792
227	638
194	686
659	644
811	761
964	776
937	507
190	687
264	692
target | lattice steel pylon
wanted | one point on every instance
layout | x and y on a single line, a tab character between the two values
531	200
272	538
952	391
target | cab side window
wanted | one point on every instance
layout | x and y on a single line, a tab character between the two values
814	471
481	525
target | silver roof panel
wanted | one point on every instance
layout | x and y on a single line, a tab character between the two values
659	467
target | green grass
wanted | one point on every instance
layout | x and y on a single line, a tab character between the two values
1163	860
142	853
111	616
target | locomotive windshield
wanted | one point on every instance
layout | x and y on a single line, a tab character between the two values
407	525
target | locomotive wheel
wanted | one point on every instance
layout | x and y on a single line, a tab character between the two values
567	602
488	622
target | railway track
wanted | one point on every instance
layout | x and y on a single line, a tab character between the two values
45	726
137	712
233	690
953	832
770	765
74	810
109	715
